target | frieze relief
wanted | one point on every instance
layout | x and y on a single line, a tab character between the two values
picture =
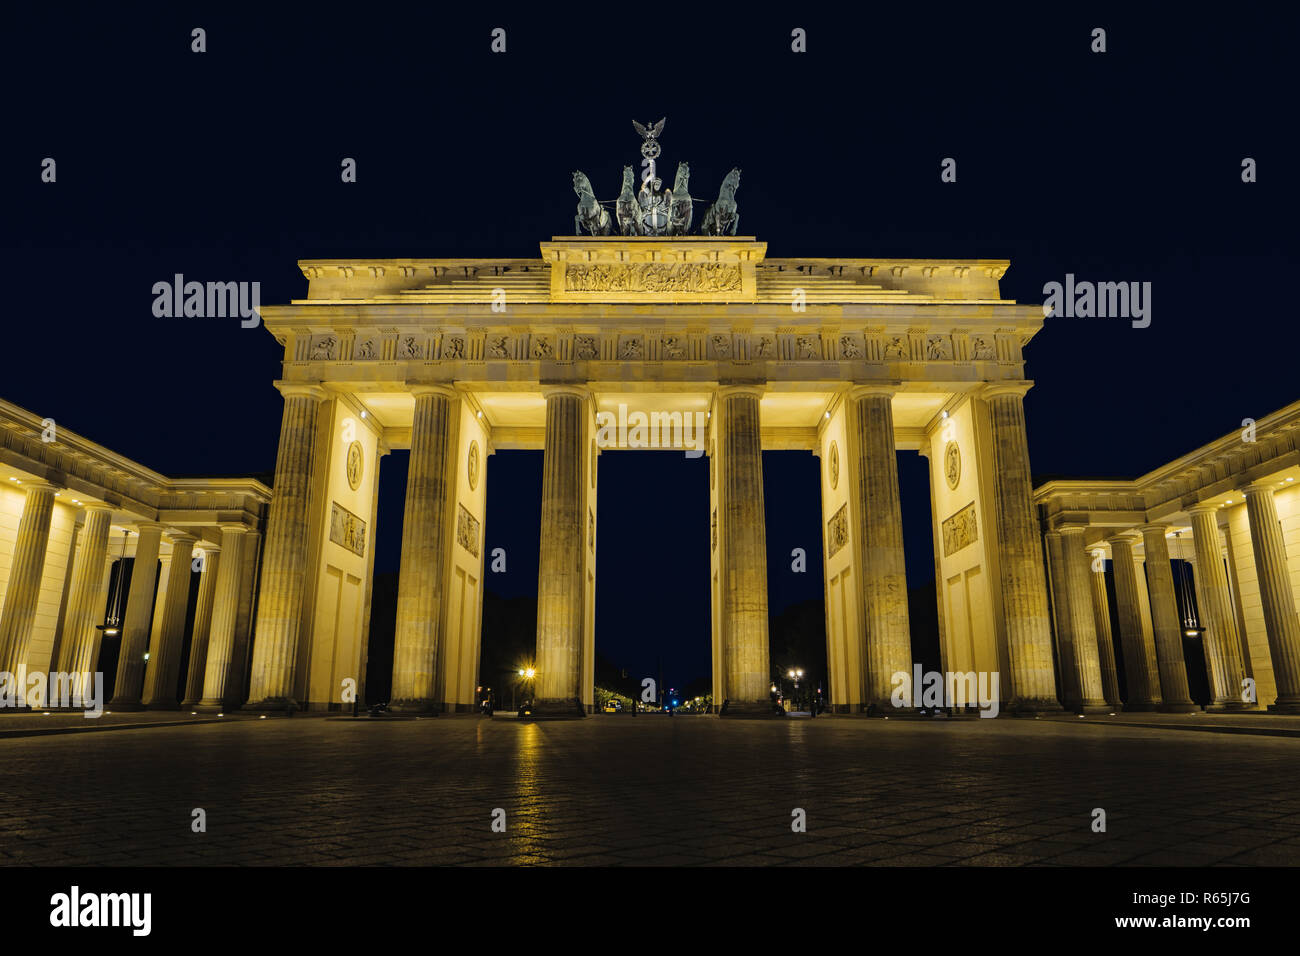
960	530
466	530
785	345
347	530
837	531
700	277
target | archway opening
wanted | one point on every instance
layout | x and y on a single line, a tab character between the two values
653	609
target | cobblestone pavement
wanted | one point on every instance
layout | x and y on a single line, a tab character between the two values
650	790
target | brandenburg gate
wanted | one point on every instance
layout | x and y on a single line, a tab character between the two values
851	359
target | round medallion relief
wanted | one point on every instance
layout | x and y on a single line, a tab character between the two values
472	465
833	465
952	464
355	465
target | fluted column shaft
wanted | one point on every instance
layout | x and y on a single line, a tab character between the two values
1020	558
744	542
284	568
1105	637
24	589
878	512
79	651
217	665
1222	642
424	536
163	672
135	624
1140	669
1165	621
200	633
1087	659
1275	593
559	576
1069	689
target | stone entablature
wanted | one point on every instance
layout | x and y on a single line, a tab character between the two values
94	472
695	308
1213	474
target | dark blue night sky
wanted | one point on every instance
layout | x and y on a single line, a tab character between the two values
225	166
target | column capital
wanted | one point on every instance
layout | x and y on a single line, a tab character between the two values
431	388
869	389
577	391
1260	486
1017	387
730	391
1154	527
301	390
182	541
143	526
39	484
234	528
90	506
208	548
1203	509
1071	529
1128	537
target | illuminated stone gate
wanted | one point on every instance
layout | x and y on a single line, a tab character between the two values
454	358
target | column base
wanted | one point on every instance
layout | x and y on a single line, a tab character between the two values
284	705
751	709
1187	708
1285	707
1034	707
415	706
189	704
211	707
124	705
1141	707
558	709
1102	708
164	705
1229	707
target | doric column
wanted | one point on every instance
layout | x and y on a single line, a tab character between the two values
79	651
24	589
744	533
217	666
1276	595
879	517
1083	625
284	567
1069	689
135	624
1105	636
1140	670
424	538
199	636
164	668
1222	642
559	578
1020	557
1165	621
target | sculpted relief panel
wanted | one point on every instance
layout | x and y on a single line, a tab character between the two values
653	277
960	530
837	531
466	530
347	530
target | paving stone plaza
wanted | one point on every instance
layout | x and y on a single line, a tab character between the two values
650	791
